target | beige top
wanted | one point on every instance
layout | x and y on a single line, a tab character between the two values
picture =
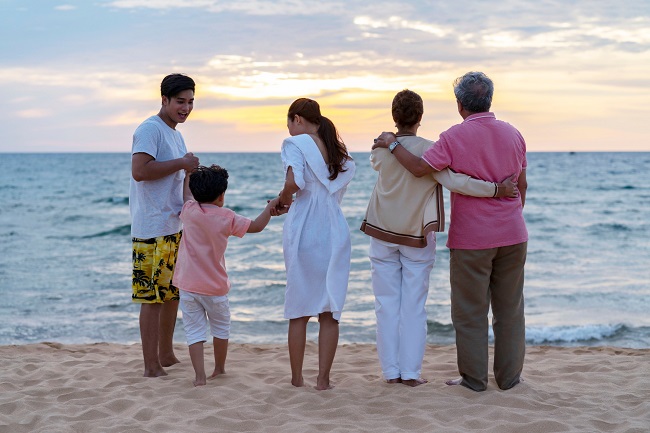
403	208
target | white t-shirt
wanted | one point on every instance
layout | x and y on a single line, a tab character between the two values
155	204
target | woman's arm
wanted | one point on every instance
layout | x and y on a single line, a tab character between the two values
290	188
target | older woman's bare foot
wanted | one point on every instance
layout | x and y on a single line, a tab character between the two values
453	382
396	380
414	382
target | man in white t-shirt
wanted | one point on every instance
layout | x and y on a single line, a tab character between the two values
158	189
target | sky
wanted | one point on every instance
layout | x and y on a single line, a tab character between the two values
80	76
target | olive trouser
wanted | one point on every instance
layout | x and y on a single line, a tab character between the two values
480	278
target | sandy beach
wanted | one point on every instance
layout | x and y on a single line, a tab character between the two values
50	387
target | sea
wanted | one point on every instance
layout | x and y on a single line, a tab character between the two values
65	262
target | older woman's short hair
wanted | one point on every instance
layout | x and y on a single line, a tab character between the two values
407	108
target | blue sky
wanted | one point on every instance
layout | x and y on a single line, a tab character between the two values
81	75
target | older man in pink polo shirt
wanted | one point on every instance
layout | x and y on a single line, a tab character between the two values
487	237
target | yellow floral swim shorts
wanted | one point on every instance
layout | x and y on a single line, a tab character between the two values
153	269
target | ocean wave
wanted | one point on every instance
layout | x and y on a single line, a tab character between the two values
573	334
124	230
113	200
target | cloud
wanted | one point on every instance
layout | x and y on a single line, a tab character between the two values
249	7
65	8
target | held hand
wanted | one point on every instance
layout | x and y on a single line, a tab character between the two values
384	140
511	186
276	208
190	162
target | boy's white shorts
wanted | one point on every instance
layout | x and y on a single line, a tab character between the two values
198	310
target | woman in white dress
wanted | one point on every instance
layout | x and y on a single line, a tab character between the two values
316	236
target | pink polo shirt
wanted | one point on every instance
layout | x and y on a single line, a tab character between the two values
488	149
200	265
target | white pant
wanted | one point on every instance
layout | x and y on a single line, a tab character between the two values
400	282
196	307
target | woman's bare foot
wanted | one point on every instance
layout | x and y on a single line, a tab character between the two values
155	372
217	372
199	381
414	382
453	382
396	380
323	384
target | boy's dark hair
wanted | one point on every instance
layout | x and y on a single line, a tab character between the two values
208	183
174	84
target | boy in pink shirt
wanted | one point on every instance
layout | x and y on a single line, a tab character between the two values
200	267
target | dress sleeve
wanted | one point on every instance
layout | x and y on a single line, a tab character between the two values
293	157
464	184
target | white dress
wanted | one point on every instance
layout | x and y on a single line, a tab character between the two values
316	236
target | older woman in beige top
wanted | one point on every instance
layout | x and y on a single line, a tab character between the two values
402	217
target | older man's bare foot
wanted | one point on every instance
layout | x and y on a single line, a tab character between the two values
169	360
396	380
414	382
453	382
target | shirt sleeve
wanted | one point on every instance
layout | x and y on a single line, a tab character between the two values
240	225
293	157
438	155
464	184
146	139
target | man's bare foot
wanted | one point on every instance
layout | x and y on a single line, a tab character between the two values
154	372
453	382
199	381
168	361
414	382
396	380
298	382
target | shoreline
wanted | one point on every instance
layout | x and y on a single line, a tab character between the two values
52	387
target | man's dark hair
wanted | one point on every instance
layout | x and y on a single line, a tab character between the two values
208	183
474	91
174	84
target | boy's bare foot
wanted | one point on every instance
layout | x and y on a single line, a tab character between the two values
199	381
154	372
168	361
414	382
396	380
454	382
